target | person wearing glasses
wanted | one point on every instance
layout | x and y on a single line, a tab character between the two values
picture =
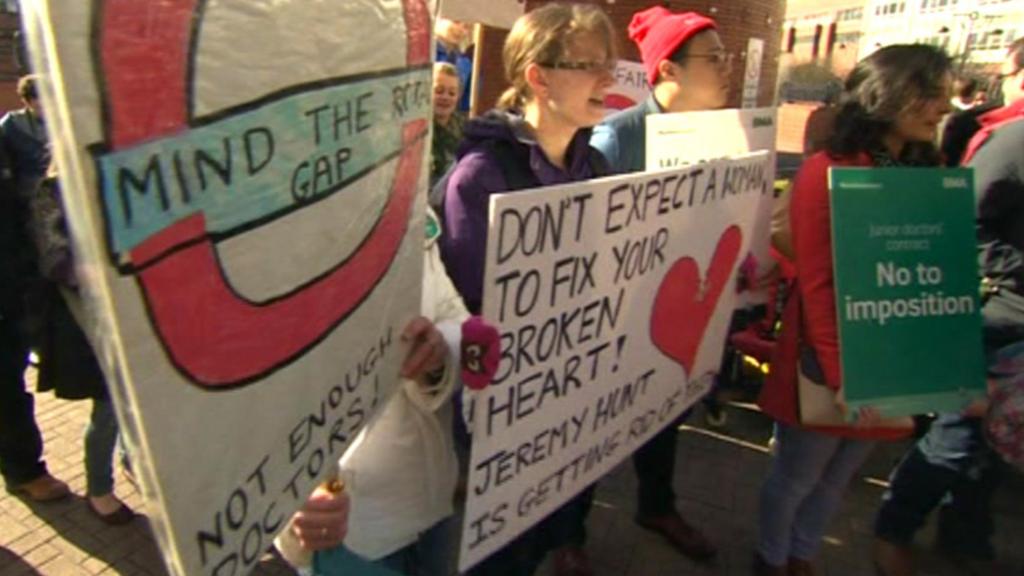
953	464
558	60
689	69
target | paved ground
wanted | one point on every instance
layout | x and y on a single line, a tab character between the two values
718	479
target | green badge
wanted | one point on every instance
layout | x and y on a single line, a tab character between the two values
433	226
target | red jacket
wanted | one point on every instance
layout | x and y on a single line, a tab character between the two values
810	313
990	122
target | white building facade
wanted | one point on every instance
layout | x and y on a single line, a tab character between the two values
975	33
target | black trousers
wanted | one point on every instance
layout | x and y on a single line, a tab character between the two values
524	555
655	464
21	445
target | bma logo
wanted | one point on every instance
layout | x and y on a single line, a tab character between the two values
762	121
949	182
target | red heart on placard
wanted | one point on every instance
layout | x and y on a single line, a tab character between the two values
618	101
684	305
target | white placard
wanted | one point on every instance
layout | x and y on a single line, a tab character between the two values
630	86
614	298
496	13
752	72
688	137
242	181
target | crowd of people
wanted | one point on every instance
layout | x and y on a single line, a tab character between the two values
550	127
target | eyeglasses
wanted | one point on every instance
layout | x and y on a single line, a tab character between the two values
583	66
715	58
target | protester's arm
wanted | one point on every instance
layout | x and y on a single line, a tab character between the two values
448	314
782	233
427	350
464	242
999	184
321	524
812	234
998	176
49	233
606	141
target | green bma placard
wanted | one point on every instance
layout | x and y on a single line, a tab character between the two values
906	282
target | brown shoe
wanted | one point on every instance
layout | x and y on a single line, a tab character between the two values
893	560
572	561
45	488
762	568
685	538
119	517
799	567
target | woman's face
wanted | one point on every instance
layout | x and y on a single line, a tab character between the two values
446	95
919	122
577	83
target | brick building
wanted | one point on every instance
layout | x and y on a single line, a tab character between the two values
837	33
739	21
10	61
975	32
828	32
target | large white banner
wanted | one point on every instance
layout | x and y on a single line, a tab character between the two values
496	13
243	185
613	297
685	138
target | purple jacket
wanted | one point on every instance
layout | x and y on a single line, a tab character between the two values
478	174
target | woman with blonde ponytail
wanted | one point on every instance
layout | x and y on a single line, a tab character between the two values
558	62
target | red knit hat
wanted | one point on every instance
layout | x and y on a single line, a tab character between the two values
659	32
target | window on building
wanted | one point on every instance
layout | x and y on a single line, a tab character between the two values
791	39
816	45
830	43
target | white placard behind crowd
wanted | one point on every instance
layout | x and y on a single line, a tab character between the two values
630	86
684	138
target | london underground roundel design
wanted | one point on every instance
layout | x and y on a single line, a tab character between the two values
173	185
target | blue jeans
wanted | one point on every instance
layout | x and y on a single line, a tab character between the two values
803	490
100	442
951	461
432	554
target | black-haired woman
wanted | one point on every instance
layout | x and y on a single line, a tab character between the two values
891	106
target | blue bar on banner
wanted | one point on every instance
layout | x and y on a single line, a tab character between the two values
262	161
